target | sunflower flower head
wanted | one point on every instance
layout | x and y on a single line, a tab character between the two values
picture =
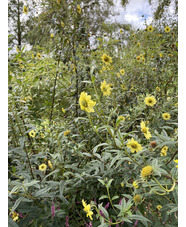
32	133
167	29
42	167
150	28
164	151
106	59
66	132
121	118
135	184
86	103
159	207
15	216
134	145
150	100
145	130
137	198
25	10
87	209
79	9
166	116
105	88
38	55
50	164
122	71
158	89
147	171
62	24
52	35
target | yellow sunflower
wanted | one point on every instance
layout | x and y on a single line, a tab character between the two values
150	100
66	132
50	164
159	207
63	110
52	35
137	198
122	71
38	55
134	145
135	184
15	216
166	116
32	133
145	130
79	9
105	88
158	89
121	118
42	167
62	24
167	29
87	209
106	59
86	103
150	28
25	9
147	171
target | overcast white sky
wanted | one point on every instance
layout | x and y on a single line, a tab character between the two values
133	13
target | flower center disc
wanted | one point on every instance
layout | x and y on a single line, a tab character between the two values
84	103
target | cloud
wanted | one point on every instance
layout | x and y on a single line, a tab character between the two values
133	12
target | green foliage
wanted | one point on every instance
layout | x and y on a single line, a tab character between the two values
87	155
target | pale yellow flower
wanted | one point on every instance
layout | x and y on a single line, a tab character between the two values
122	71
145	130
166	116
79	9
105	88
137	198
66	132
42	167
86	103
106	59
147	171
134	145
167	29
150	100
87	209
150	28
159	207
135	184
25	10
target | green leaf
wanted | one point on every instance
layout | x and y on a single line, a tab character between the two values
109	183
12	223
115	197
103	197
101	181
61	187
16	204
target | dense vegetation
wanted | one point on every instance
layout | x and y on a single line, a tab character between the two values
92	125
